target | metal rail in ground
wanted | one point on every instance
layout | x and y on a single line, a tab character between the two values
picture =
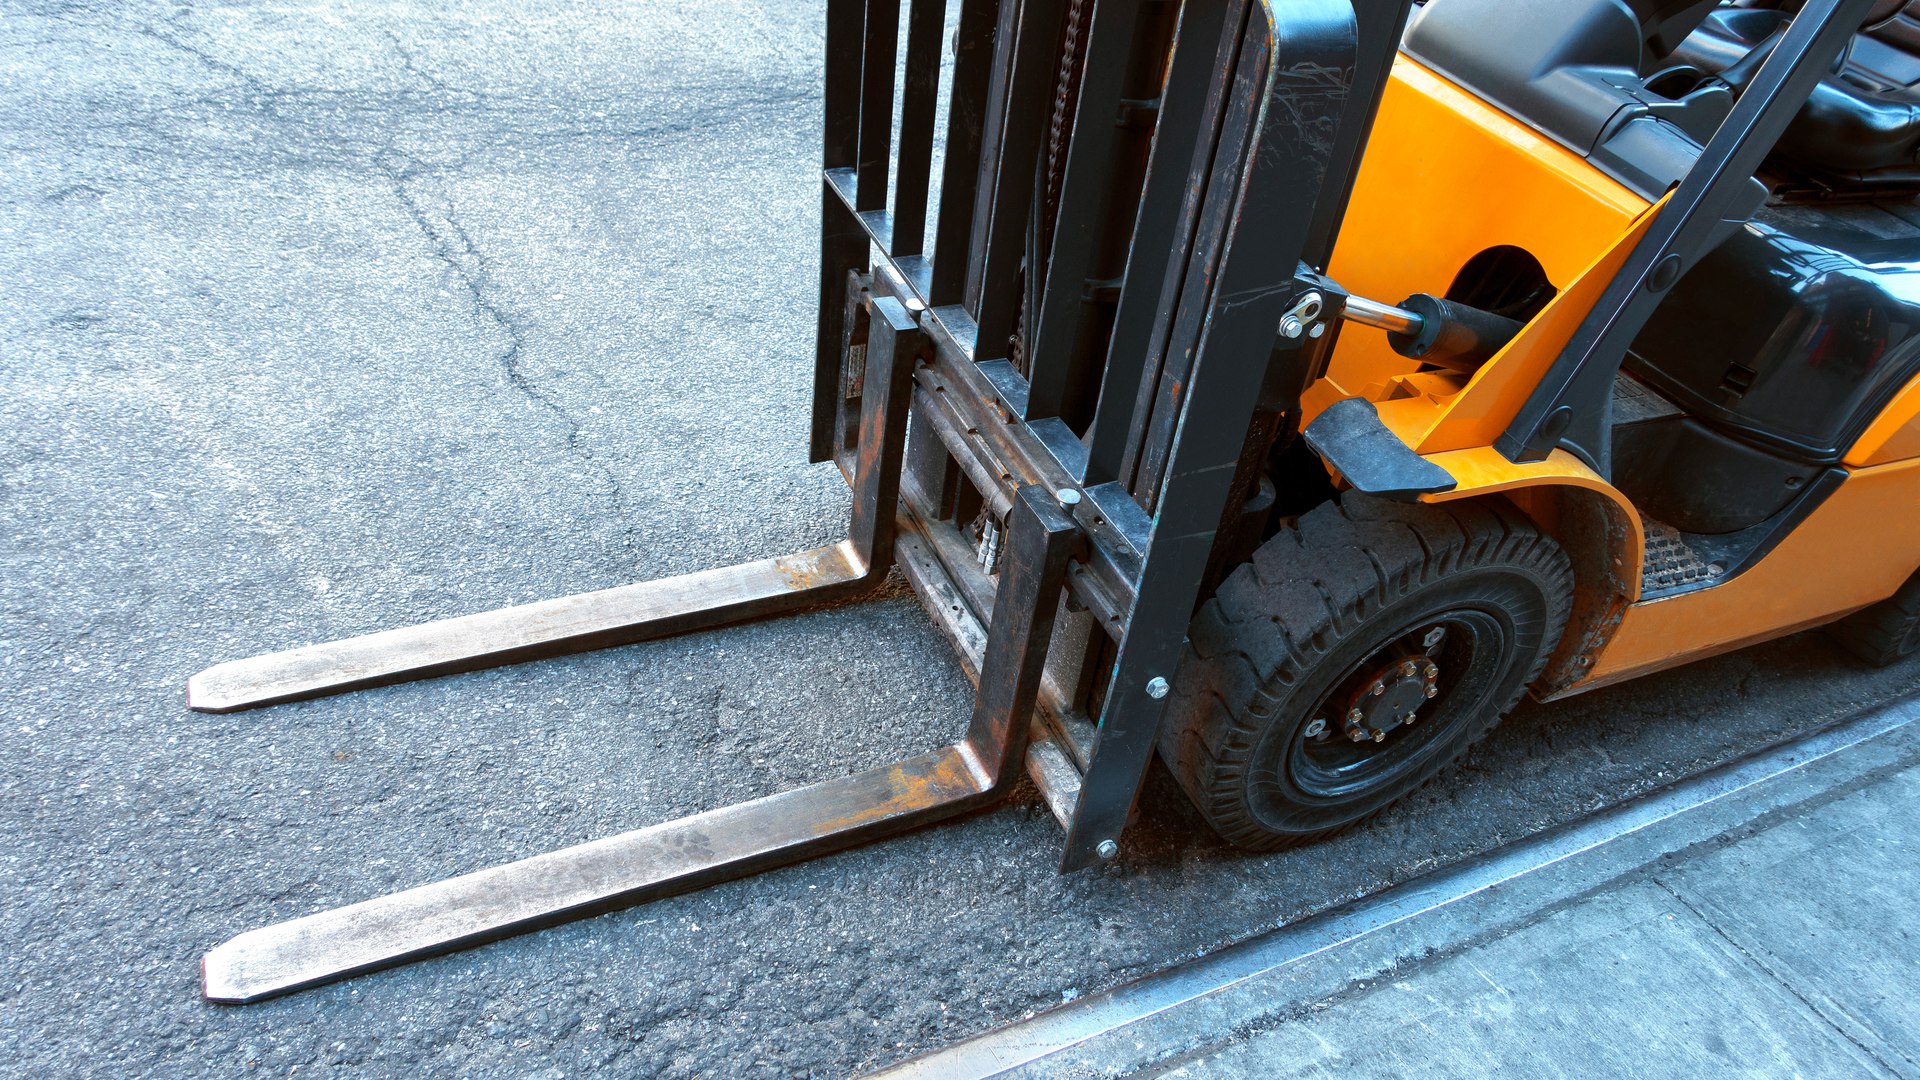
1173	1013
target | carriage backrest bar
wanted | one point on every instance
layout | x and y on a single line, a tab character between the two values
1018	293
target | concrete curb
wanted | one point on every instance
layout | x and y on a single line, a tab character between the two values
1186	1009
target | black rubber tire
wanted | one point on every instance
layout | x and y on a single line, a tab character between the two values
1885	632
1319	600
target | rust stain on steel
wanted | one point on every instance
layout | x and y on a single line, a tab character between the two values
939	779
817	568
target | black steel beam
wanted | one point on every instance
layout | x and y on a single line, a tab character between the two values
1002	243
876	101
967	102
926	23
894	344
1381	23
1183	109
1083	205
843	243
1290	85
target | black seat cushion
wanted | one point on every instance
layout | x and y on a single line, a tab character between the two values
1861	123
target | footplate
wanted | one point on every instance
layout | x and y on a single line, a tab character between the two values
695	851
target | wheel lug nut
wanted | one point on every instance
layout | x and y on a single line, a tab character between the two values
1354	716
1377	688
1433	691
1357	735
1409	668
1379	736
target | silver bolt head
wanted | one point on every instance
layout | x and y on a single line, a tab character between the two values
1355	716
1291	327
1434	636
1377	688
1106	849
1409	668
1067	497
1358	734
1157	688
1315	727
1433	691
1379	736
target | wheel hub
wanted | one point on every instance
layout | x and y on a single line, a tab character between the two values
1391	698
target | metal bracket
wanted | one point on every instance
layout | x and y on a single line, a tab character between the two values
1350	437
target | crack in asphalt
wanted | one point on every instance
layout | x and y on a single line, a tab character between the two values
451	246
469	266
264	93
462	257
409	65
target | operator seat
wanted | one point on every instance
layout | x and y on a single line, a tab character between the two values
1861	125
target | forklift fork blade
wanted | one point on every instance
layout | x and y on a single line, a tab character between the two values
676	856
594	620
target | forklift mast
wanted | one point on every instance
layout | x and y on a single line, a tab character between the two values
1133	198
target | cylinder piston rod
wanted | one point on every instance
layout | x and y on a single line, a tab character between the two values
1437	331
1394	320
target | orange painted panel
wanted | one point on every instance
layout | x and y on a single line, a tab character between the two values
1485	471
1487	404
1445	177
1856	549
1895	434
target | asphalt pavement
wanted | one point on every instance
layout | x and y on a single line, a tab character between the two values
321	319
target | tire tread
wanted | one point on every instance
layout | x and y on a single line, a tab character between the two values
1304	591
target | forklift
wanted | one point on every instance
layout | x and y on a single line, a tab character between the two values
1282	387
